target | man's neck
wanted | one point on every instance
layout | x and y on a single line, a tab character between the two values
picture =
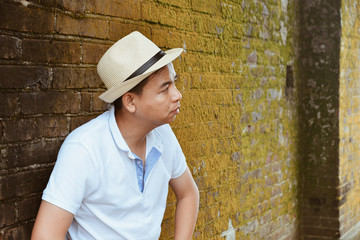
134	132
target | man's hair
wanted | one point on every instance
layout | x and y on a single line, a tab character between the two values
138	88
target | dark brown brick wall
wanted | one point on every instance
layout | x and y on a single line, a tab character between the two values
49	86
319	74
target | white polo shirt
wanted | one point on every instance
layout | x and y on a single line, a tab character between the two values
97	179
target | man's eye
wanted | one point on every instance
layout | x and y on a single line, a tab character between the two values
166	88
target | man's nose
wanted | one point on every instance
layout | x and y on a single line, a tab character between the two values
176	94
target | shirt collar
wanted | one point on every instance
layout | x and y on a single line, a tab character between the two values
152	139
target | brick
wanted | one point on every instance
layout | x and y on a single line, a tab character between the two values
27	154
27	127
9	106
7	213
322	232
93	52
53	126
120	29
179	3
10	47
24	183
33	128
80	120
74	6
85	102
22	232
47	51
18	18
211	6
320	211
49	102
157	13
71	78
28	77
165	38
97	103
28	208
123	9
3	154
89	27
201	64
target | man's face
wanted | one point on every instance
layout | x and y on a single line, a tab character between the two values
159	102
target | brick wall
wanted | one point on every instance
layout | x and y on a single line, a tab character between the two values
238	122
328	77
349	171
49	86
319	56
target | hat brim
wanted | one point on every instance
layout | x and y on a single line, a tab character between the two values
120	89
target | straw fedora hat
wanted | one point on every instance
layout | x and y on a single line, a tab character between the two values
129	61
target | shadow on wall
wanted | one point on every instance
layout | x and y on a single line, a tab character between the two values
318	94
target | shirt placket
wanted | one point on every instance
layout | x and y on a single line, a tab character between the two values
140	173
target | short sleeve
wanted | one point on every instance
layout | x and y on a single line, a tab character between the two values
72	177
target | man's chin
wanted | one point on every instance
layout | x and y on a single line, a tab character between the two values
172	119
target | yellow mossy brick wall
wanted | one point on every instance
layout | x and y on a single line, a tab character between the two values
237	123
350	120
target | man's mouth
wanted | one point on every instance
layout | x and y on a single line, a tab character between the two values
176	111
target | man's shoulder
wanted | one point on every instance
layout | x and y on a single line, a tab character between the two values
163	130
166	134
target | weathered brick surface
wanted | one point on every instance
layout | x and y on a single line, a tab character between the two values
66	24
22	232
93	52
26	19
73	6
78	121
27	77
49	102
27	127
65	78
118	29
28	208
49	51
23	183
9	104
13	156
97	103
124	9
10	47
7	213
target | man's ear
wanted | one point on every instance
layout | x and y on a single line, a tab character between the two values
128	102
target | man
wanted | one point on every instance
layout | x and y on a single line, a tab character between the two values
111	177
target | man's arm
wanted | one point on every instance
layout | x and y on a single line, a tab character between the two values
51	222
187	207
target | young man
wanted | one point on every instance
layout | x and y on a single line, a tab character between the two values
111	177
